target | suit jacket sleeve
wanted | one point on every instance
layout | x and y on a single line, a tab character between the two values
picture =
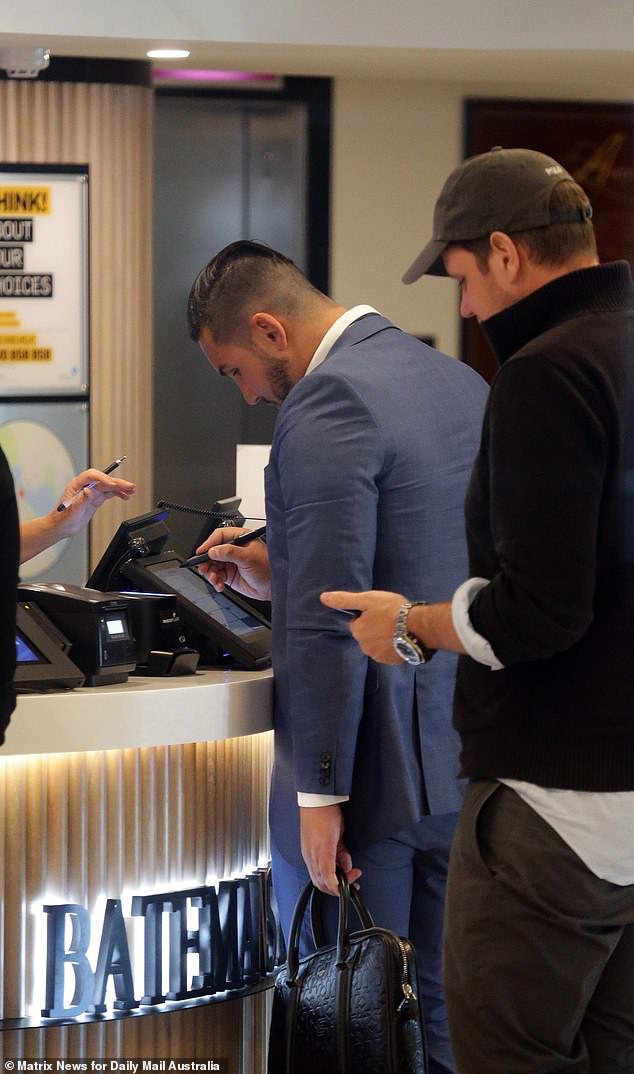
328	454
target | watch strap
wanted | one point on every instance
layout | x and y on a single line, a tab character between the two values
401	631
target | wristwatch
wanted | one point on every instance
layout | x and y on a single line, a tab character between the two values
409	648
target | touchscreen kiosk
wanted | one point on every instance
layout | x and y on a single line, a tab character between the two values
41	660
220	625
145	535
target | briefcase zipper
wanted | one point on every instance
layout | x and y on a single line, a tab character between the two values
409	996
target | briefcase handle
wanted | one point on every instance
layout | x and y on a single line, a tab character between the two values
347	896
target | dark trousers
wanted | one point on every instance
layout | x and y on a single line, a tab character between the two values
403	886
539	952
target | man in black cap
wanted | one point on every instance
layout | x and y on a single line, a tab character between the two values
539	944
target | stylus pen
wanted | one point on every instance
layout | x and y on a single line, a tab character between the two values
244	538
91	484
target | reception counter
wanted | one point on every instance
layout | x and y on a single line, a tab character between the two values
125	809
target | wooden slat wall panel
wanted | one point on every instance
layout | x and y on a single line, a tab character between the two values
234	1031
78	826
110	128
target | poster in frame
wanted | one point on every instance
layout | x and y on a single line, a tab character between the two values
593	140
44	318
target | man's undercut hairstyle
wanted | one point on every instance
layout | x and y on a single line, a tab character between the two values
245	277
556	244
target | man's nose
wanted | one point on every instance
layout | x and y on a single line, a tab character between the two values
465	308
248	394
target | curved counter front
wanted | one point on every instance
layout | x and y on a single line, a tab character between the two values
133	822
143	712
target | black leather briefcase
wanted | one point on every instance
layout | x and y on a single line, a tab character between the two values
350	1008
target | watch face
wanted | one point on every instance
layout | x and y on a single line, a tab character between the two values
408	651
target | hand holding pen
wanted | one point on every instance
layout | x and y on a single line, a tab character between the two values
70	497
73	513
83	495
240	540
235	557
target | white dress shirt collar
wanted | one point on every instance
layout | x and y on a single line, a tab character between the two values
333	333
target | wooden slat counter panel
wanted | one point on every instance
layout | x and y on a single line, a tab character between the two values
82	825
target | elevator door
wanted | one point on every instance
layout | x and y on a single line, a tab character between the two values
224	170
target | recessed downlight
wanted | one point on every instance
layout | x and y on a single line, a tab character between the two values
168	54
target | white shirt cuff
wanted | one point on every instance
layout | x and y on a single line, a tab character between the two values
312	800
477	647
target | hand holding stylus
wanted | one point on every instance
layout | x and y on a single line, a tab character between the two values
78	484
83	495
242	539
238	560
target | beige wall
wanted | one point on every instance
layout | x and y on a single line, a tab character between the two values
394	142
108	127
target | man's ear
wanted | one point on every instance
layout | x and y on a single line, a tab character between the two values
268	332
505	256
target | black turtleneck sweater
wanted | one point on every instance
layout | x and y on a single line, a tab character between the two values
550	521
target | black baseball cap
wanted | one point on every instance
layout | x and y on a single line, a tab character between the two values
502	190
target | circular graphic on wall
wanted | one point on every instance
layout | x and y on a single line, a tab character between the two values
41	468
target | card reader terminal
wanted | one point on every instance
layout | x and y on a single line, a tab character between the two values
97	625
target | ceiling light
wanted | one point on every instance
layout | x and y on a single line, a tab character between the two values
168	53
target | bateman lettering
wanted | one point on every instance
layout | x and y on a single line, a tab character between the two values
238	942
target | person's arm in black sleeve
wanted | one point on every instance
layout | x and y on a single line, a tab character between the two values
547	456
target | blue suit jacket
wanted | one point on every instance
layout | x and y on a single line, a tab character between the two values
364	490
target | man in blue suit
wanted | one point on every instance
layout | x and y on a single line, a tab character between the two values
373	445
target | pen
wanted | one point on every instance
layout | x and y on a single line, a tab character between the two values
90	485
244	538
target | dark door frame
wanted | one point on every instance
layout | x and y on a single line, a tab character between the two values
316	94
